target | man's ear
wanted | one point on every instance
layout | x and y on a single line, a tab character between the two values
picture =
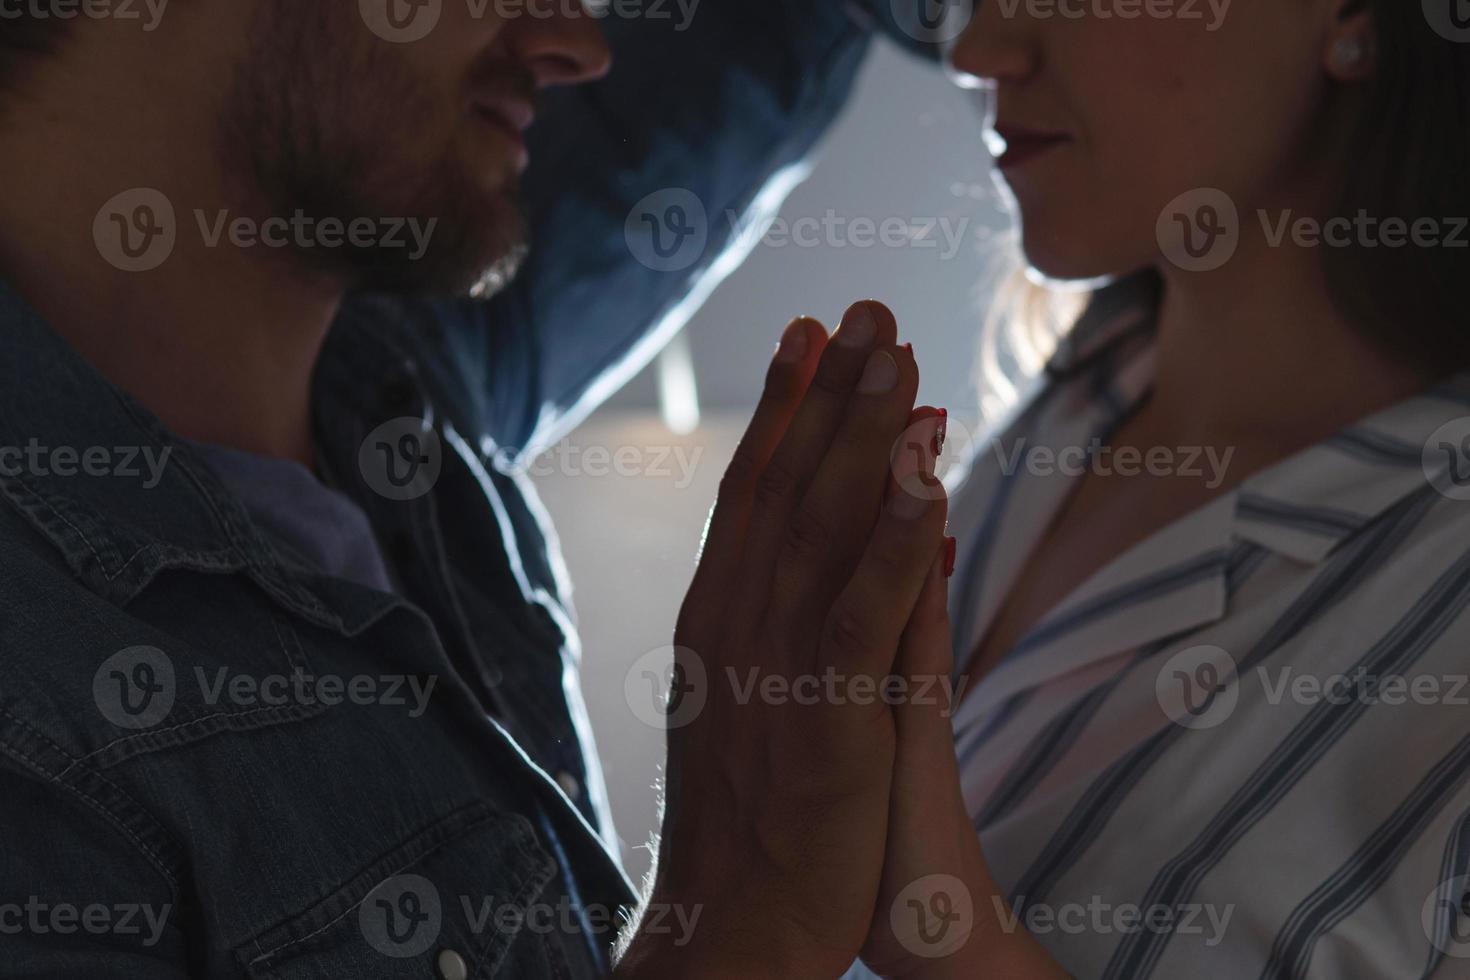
1351	51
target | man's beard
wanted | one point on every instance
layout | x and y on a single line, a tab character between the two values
319	125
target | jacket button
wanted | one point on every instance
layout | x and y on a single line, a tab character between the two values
568	784
451	965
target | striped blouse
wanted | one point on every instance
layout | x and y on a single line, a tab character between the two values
1242	748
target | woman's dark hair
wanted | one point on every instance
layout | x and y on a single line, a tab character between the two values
1409	158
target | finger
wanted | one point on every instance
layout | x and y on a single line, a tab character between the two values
925	663
862	630
829	529
866	327
787	379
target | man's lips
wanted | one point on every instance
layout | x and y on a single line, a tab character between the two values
511	116
1015	145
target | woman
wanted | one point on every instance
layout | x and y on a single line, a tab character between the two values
1209	611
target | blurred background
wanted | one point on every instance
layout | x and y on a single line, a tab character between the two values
631	488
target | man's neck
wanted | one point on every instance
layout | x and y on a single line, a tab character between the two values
218	341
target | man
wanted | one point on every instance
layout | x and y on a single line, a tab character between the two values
290	686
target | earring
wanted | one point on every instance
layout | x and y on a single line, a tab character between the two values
1350	54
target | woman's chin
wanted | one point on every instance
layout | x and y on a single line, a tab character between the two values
1065	254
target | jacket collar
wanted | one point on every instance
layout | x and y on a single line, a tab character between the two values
157	508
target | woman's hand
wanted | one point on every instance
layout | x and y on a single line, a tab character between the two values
778	788
940	915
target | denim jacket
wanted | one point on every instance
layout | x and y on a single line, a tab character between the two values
215	763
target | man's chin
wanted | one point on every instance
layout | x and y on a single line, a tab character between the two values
470	255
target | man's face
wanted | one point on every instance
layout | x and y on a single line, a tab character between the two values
342	110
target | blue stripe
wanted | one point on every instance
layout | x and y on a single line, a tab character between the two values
1454	865
972	739
1369	867
1058	737
1308	742
1165	580
1375	447
1091	814
1328	521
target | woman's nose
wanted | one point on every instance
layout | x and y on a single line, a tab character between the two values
994	47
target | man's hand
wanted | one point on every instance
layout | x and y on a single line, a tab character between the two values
777	806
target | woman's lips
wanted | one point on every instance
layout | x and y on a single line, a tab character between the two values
1023	145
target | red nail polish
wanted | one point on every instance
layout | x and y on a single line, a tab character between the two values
950	547
909	348
941	432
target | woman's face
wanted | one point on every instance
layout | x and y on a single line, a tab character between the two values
1113	109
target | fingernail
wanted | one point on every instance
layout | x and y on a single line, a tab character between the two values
858	329
909	348
950	548
906	507
941	432
792	347
881	374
